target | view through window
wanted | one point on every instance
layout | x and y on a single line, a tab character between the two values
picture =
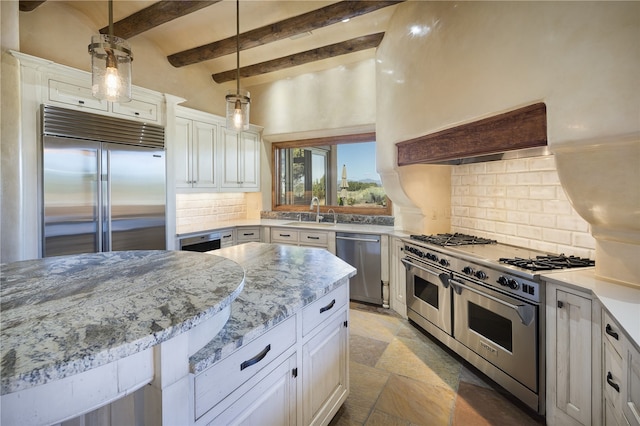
340	172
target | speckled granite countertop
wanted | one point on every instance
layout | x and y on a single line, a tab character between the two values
280	280
64	315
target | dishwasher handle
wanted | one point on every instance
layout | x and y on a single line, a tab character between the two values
366	240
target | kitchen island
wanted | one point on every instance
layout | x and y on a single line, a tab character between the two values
90	329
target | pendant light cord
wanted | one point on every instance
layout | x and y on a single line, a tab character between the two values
238	46
110	21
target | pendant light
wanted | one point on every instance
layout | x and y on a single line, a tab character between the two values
110	65
238	103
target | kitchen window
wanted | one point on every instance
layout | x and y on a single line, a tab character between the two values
340	171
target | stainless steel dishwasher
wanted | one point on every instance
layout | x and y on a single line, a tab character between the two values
362	251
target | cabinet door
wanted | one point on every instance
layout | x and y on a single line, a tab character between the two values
631	390
241	160
250	160
325	372
272	401
182	153
204	153
573	356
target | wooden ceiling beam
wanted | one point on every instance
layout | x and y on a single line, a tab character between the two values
325	52
29	5
154	15
301	24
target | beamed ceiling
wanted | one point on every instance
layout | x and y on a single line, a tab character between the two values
278	38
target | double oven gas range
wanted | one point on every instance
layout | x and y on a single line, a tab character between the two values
485	301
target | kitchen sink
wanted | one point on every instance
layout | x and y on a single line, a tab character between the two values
310	224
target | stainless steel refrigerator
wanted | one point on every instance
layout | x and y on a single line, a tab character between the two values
103	183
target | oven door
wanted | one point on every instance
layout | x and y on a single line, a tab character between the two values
428	294
499	328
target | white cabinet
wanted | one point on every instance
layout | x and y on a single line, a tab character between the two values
398	275
72	89
621	376
227	238
195	144
246	234
209	158
271	401
303	237
240	153
295	373
325	356
573	358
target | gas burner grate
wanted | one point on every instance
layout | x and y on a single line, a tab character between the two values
550	262
455	239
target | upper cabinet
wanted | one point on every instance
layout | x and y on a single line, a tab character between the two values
195	145
241	161
210	158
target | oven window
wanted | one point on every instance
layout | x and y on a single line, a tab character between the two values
490	325
426	291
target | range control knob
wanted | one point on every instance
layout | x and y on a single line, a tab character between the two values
502	281
468	270
444	262
513	284
432	256
481	275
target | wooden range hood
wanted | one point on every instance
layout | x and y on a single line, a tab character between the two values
518	133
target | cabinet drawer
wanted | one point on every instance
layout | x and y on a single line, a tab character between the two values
248	234
323	308
226	238
611	331
71	94
613	378
313	238
222	378
137	109
283	235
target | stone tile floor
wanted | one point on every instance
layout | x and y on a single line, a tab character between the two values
399	376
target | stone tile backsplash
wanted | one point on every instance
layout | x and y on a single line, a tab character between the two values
208	209
519	202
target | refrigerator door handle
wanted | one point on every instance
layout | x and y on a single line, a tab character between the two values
100	222
107	202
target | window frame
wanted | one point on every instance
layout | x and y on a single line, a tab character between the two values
323	141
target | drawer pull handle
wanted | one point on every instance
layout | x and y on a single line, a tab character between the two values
256	359
313	238
285	235
611	333
136	113
329	306
81	102
247	234
226	236
612	383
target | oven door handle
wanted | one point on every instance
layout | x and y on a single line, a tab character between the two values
525	312
444	277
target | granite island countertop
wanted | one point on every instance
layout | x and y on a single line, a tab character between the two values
64	315
280	280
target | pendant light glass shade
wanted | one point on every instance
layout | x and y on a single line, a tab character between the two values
238	104
238	108
110	65
110	68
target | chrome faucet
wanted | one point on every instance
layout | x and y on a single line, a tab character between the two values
335	217
318	217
